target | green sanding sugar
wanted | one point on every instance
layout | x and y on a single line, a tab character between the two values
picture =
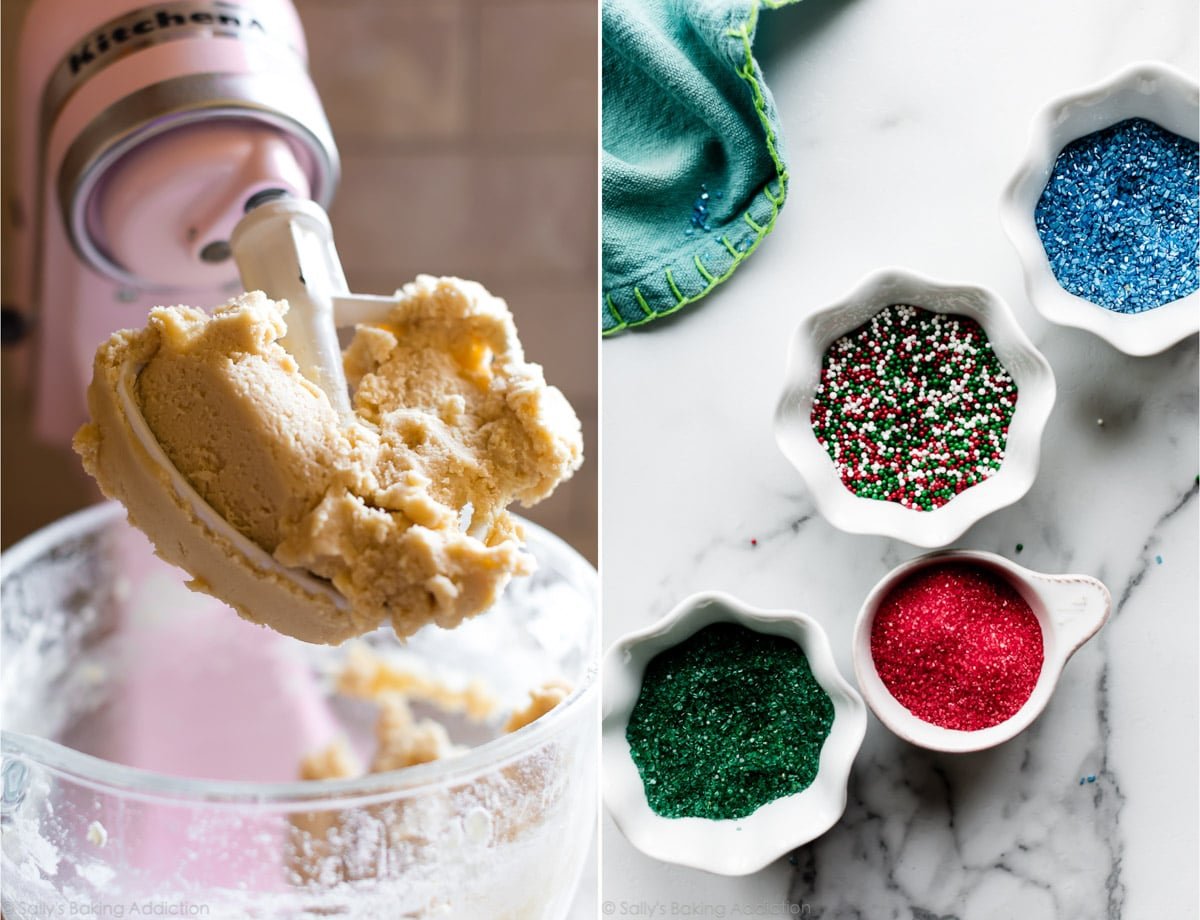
727	721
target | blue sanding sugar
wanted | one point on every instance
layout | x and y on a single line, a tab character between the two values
1119	216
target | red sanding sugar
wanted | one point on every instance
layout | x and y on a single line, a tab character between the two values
957	646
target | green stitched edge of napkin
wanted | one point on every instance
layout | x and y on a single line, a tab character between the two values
760	217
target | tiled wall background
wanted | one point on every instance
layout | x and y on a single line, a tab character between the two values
467	130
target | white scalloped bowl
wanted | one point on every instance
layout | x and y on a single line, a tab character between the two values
1070	610
1035	398
1145	90
743	845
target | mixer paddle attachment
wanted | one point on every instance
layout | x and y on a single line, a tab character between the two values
284	248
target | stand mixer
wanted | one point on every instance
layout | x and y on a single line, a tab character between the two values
171	149
178	153
146	133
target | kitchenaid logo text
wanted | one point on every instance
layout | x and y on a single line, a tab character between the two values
156	21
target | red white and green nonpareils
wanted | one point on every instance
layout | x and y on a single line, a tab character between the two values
913	407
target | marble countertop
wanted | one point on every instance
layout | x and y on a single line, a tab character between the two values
904	121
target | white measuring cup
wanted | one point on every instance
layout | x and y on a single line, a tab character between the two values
1070	609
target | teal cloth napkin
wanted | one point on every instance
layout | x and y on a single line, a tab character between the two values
693	172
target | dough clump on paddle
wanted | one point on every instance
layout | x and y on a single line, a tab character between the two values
402	508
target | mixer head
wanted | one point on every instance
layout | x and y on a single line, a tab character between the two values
146	133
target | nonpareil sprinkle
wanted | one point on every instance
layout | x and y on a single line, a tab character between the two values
957	646
699	219
727	721
1120	216
913	407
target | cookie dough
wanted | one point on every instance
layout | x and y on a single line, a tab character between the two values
369	676
541	701
326	847
335	761
402	508
405	741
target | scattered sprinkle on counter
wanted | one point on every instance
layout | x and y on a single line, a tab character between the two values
913	407
1119	216
727	721
957	646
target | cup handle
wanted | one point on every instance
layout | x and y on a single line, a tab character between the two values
1078	606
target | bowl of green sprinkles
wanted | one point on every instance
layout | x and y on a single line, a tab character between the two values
1104	211
728	735
913	408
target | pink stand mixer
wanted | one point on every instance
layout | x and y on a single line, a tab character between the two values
178	153
172	149
164	149
146	133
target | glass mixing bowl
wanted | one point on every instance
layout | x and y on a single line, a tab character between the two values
152	739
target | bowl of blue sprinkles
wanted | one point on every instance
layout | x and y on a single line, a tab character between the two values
1105	210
